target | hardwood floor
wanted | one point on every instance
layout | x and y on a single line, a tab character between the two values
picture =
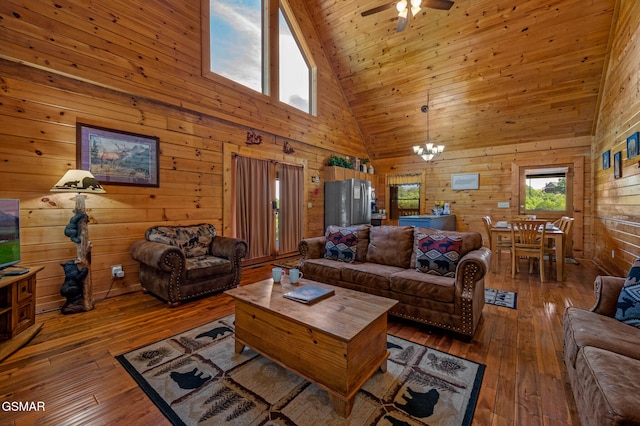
70	364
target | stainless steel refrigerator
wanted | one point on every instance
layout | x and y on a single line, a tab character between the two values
347	202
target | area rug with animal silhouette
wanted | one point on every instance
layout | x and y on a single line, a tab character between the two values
508	299
197	378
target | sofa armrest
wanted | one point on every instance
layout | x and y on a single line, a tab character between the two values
228	248
473	266
157	255
607	290
312	248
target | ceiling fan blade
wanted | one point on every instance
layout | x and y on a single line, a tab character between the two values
439	4
378	9
402	23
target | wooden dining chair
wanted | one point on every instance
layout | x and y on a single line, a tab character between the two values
528	240
565	224
502	243
525	217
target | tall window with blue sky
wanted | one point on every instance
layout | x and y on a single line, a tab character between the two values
294	71
236	41
237	36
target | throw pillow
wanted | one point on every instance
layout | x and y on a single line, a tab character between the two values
341	243
628	309
438	254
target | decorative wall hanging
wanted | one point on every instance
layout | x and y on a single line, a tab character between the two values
606	160
118	158
633	146
287	149
617	165
465	181
253	138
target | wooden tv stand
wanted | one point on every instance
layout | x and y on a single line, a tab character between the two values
18	311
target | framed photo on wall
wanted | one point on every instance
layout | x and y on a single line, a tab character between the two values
116	157
617	165
464	181
633	146
606	160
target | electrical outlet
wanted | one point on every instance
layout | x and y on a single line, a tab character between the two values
117	271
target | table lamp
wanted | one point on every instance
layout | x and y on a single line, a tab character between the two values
79	182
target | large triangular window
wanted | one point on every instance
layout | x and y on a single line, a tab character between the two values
236	47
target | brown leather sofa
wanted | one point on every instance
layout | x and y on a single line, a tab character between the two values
178	263
388	261
602	358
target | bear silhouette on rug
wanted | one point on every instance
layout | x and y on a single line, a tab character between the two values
190	380
215	332
420	404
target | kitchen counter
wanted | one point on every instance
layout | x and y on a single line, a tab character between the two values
443	222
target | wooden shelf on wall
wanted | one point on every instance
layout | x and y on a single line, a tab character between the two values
333	173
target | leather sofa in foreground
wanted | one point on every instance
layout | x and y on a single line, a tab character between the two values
437	276
602	358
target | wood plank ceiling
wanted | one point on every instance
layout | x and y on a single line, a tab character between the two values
496	72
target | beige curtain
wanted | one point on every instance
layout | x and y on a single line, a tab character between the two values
291	207
252	205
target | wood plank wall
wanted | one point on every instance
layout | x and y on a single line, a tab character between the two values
135	66
616	201
495	167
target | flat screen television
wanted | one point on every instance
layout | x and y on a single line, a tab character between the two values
10	237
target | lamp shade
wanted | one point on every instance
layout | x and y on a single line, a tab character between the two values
78	181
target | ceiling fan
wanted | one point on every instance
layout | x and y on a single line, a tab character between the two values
403	8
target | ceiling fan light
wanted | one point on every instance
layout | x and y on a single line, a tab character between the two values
416	3
415	10
403	13
401	6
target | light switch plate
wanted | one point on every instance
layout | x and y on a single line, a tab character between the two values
503	204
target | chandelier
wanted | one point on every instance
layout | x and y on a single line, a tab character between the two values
430	149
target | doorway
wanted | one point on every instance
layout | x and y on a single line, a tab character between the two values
267	207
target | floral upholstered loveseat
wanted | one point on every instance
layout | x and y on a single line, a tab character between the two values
437	276
178	263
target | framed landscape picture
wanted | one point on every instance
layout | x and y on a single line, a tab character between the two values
633	146
617	165
606	160
116	157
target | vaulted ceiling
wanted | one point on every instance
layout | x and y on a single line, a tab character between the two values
496	72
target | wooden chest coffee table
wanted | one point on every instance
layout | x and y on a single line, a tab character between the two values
336	343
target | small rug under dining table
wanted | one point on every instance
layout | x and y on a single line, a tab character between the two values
196	378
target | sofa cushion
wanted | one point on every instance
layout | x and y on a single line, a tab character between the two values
585	328
207	267
437	254
470	241
372	275
608	387
322	269
390	245
628	308
346	243
193	240
432	287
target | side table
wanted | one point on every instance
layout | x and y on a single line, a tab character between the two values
18	311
